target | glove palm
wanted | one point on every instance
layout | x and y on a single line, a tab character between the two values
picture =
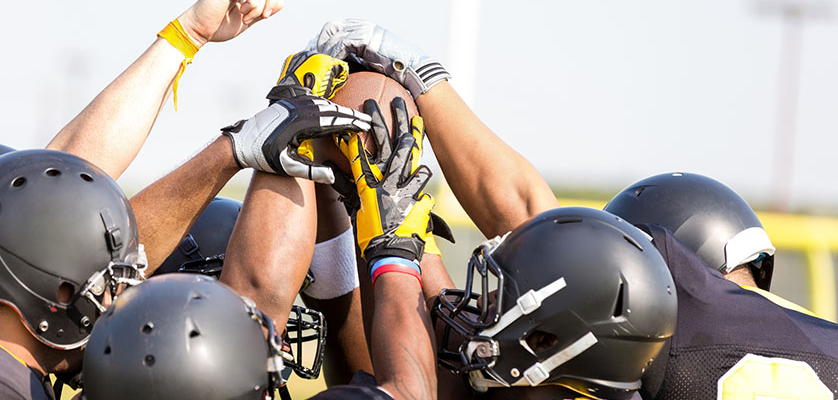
394	209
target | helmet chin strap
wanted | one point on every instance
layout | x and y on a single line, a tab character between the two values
526	304
538	372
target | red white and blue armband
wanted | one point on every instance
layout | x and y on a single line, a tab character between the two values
395	264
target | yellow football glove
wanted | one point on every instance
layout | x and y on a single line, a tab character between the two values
392	220
323	74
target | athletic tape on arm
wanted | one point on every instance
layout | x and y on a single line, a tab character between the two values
334	267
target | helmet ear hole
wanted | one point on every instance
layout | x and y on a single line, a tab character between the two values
65	292
540	340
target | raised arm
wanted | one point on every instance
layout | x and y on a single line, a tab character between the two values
391	229
498	187
110	131
267	142
272	243
167	209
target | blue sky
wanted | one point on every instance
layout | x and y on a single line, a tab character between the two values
596	94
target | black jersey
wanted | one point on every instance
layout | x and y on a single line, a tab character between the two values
19	382
733	343
362	387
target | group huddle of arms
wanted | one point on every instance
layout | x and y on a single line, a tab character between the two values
560	302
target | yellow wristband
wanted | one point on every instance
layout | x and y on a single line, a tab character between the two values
179	39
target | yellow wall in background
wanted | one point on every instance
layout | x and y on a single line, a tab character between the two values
815	237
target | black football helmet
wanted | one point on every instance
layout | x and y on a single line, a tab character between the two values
202	250
704	214
68	240
582	300
184	336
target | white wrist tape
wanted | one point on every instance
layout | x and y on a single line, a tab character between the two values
334	267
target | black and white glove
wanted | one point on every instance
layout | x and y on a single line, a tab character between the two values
272	140
382	51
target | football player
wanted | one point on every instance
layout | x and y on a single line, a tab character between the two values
68	245
268	143
110	131
185	336
70	239
557	310
732	335
722	261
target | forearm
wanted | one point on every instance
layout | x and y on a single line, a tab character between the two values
167	209
271	246
403	358
434	277
497	187
110	131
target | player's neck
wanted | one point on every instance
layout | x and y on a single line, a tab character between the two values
741	277
16	339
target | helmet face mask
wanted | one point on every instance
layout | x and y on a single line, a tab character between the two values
280	361
306	325
210	266
546	304
467	312
113	279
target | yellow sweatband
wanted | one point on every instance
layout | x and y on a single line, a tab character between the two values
177	37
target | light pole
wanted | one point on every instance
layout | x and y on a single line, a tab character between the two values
794	14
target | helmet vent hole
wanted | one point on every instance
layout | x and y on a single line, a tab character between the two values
107	349
194	333
65	292
618	308
148	360
86	177
18	182
148	328
53	172
633	242
568	220
639	191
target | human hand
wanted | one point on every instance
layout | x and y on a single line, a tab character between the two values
344	183
222	20
393	218
321	73
275	139
381	50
